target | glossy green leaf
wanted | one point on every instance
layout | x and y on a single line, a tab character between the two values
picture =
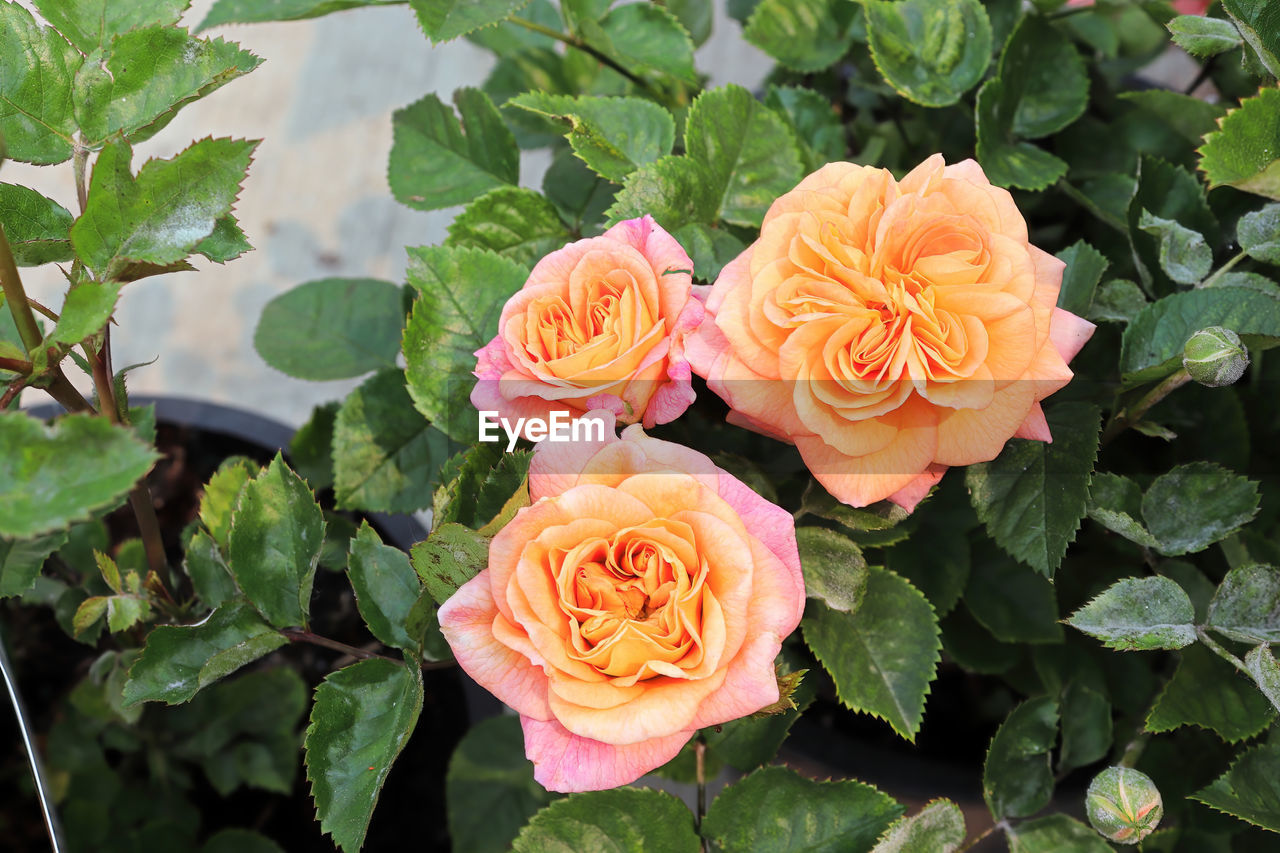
1246	606
1265	672
776	809
1242	153
803	35
218	500
148	74
746	150
1259	233
1042	71
1032	496
256	11
275	541
1012	601
386	587
645	37
38	228
53	475
515	222
85	312
180	660
1007	161
1139	613
362	717
1085	266
1202	36
385	454
489	787
448	558
437	161
931	51
1153	342
936	828
36	71
1184	255
1056	833
613	136
1193	506
461	294
443	20
884	656
1017	779
22	559
210	577
628	820
835	572
160	216
89	24
1250	789
333	328
1207	691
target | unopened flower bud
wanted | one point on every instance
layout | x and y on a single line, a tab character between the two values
1124	805
1215	356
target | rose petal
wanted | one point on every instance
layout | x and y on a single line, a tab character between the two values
568	763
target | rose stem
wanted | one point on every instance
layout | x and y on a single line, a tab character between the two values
700	773
299	635
1126	417
1218	650
579	44
17	297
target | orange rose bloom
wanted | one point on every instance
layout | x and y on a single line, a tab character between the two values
889	328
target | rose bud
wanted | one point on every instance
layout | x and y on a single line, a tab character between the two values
1215	356
1124	805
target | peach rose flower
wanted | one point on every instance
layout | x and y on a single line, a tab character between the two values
889	328
600	324
642	596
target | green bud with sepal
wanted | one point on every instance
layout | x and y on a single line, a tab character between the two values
1124	805
1215	356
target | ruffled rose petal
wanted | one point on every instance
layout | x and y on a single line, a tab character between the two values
568	763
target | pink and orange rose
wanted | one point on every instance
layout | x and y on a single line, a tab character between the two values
599	324
889	329
642	596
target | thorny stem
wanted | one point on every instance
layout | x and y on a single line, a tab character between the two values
43	310
78	161
1123	419
579	44
1221	652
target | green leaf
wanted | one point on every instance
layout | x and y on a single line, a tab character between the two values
1117	301
936	828
627	820
362	717
178	661
1202	36
1265	671
448	558
647	38
1006	161
36	70
385	585
461	294
53	475
1193	506
613	136
437	161
38	228
1044	74
1086	726
443	20
1191	117
1085	266
695	16
86	311
333	328
209	574
385	455
1011	601
256	11
240	840
1169	192
710	249
489	787
22	559
1139	613
1246	606
89	24
749	742
931	51
1242	153
1032	496
148	74
835	572
1208	692
1115	502
311	448
1259	24
937	561
776	809
275	542
226	243
1250	789
746	150
884	656
815	122
1258	233
220	496
515	222
1056	833
803	35
160	216
1184	255
1152	344
676	191
579	194
1017	779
